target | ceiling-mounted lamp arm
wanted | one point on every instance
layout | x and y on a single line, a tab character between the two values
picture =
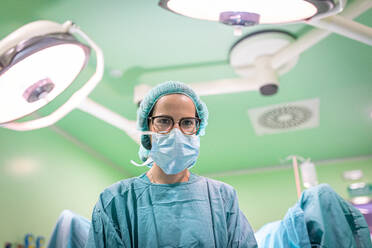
266	76
345	27
312	37
110	117
74	100
338	8
40	28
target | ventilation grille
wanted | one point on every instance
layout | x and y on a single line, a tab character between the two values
285	117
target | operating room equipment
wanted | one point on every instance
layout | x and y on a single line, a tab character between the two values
360	194
366	210
352	175
29	241
321	218
56	58
308	172
359	189
38	62
297	178
280	55
40	242
238	13
243	13
277	59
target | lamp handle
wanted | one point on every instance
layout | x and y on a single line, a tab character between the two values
336	10
33	29
73	101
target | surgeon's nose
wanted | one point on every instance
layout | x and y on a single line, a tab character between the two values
177	125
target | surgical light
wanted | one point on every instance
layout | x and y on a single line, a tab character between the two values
37	63
247	13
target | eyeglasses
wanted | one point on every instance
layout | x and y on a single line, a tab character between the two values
164	124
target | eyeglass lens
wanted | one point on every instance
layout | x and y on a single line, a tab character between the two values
164	124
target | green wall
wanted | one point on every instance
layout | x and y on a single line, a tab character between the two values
42	173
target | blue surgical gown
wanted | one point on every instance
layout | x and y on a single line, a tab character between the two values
291	232
199	213
321	218
71	231
333	222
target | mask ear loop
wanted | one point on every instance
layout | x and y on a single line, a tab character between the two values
149	159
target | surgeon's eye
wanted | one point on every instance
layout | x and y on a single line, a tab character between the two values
163	123
187	123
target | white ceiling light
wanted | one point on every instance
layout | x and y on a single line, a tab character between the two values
37	63
49	78
247	13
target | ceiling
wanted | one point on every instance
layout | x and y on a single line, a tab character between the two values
150	45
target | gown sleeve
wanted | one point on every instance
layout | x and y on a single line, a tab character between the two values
240	232
102	232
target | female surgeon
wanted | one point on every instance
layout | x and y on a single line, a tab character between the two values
169	206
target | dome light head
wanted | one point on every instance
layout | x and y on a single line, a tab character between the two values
37	63
39	67
245	13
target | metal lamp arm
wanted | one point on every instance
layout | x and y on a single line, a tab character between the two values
312	37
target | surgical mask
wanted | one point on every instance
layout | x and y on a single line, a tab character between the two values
173	152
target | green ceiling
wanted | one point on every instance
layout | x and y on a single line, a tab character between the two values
150	45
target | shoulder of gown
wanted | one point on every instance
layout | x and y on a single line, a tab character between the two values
120	189
218	189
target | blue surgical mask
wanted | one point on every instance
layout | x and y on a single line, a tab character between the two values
173	152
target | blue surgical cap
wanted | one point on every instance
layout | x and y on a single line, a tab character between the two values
148	103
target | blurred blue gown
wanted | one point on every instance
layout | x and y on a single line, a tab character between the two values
71	231
199	213
321	218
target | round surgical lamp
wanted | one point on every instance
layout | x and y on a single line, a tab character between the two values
252	12
37	63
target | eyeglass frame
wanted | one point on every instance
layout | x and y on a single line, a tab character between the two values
150	118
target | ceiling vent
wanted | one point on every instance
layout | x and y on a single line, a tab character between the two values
285	117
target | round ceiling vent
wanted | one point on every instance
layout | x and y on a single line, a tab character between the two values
285	117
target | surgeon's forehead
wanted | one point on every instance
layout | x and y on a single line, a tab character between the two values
175	104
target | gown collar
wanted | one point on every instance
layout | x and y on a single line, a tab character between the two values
192	179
